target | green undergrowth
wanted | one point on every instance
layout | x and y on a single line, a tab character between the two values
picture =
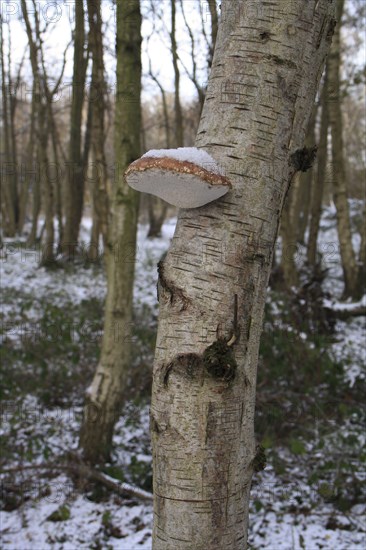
49	350
307	413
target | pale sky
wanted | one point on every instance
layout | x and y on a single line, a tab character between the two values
59	16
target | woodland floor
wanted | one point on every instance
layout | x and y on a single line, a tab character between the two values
310	408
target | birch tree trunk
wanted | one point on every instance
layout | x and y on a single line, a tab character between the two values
339	178
267	65
104	397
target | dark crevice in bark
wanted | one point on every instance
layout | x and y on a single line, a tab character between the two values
188	364
217	360
168	286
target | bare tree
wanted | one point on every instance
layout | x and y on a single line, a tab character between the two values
35	41
98	99
267	64
104	397
157	208
8	176
178	121
74	188
193	75
319	177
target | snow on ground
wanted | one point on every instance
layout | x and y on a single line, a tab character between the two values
284	513
28	528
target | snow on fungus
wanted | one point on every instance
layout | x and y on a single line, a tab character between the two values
186	177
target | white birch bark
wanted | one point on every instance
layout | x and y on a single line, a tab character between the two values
267	65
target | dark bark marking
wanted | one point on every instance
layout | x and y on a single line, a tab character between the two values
287	88
219	361
211	424
249	327
284	62
187	363
154	426
330	31
303	159
331	28
236	330
174	291
264	36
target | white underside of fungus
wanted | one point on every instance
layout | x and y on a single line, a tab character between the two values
186	177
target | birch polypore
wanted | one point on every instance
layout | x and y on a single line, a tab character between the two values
267	64
185	177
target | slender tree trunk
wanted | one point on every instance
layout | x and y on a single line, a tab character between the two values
7	168
42	136
362	256
178	121
36	204
157	213
193	75
214	28
93	251
340	195
213	280
157	208
13	141
74	188
98	92
105	395
289	241
46	188
29	162
301	203
318	186
55	174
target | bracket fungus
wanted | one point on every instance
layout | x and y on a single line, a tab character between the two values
186	177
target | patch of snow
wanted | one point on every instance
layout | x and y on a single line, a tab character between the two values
190	154
345	306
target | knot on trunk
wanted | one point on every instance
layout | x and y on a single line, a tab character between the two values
219	360
303	159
